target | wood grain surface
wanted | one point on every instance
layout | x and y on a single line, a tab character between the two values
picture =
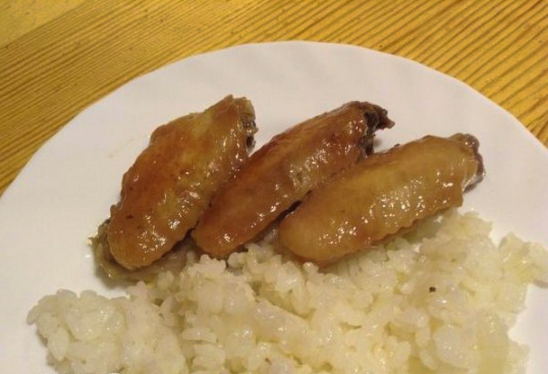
57	57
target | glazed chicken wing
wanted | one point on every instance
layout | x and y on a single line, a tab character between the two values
382	195
173	179
284	170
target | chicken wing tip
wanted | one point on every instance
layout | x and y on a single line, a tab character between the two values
472	143
377	119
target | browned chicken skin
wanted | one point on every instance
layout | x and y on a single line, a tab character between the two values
283	171
382	195
173	179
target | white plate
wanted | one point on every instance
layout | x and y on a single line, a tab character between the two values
65	191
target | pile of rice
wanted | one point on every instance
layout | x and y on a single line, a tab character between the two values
438	300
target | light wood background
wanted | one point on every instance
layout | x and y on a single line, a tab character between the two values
59	56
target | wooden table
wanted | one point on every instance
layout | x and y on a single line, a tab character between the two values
59	56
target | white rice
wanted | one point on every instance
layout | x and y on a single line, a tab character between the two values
438	300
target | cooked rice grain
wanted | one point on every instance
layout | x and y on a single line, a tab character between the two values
438	300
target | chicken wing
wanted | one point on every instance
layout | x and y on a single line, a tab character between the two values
382	195
284	170
173	179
